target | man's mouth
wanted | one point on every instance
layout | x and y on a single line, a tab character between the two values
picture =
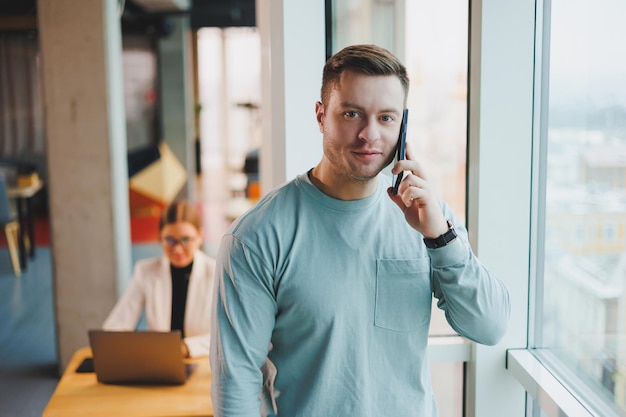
367	154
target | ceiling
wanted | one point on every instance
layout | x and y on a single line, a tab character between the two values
18	8
223	13
138	15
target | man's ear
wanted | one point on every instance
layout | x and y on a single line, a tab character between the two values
319	115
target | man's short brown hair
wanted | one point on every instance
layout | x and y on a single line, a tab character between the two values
364	59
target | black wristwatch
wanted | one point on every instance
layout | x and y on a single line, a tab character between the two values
442	240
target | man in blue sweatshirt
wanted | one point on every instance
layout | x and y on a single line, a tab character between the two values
324	289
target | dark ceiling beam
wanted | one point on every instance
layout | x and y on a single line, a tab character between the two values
18	23
14	8
21	14
239	13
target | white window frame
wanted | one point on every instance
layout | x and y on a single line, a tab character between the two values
499	184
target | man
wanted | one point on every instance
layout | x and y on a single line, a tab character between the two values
323	290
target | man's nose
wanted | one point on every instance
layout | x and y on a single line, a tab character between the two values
370	132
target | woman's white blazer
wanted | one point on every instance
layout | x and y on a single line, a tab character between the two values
151	289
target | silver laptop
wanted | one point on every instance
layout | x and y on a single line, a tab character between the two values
138	357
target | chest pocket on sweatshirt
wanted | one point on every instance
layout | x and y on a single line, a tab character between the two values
403	294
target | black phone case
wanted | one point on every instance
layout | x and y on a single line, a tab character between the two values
401	149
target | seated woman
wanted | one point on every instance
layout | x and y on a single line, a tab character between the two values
174	289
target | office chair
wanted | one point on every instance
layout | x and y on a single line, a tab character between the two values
10	225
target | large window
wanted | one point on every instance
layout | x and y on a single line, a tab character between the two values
431	38
581	262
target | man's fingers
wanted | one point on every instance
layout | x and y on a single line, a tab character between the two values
396	198
412	165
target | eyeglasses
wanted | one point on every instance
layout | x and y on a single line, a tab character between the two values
184	241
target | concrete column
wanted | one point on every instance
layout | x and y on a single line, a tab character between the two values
177	102
292	57
88	178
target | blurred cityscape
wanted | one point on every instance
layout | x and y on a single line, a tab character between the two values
585	246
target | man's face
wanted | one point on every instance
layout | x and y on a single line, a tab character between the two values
360	124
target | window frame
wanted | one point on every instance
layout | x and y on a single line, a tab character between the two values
499	185
550	384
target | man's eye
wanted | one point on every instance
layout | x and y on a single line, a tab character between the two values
387	118
351	114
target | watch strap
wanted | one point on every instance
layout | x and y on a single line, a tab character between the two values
442	240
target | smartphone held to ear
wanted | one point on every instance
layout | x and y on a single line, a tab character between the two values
400	151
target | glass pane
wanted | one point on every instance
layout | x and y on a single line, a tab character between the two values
437	119
140	85
436	56
536	410
447	380
584	318
363	21
438	95
229	91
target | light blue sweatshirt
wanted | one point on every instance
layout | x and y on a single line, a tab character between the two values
335	297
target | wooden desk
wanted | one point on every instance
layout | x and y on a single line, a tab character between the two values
80	394
22	196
